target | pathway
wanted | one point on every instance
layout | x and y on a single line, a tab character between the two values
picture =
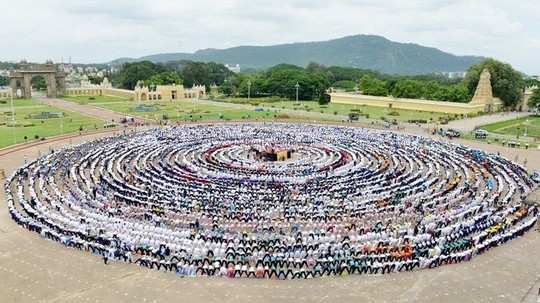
88	110
467	125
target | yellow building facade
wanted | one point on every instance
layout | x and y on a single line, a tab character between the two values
140	93
168	92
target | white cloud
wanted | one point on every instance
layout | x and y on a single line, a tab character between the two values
101	30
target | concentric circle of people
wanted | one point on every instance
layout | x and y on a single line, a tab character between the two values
199	200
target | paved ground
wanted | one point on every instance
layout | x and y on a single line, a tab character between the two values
37	270
32	269
468	125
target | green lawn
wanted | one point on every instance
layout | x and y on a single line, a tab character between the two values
344	109
528	125
94	100
29	126
185	110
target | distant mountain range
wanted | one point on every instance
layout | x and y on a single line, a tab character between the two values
361	51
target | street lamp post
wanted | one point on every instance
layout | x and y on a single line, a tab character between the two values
249	90
12	116
297	86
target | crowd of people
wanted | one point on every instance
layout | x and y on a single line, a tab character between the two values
194	200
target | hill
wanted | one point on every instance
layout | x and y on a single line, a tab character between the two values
361	51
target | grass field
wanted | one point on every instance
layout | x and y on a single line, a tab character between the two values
184	110
268	108
371	112
35	128
529	126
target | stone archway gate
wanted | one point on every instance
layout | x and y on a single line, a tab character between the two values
21	79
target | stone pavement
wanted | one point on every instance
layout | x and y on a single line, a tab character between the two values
36	270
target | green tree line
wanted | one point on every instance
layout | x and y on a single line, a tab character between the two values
188	73
4	81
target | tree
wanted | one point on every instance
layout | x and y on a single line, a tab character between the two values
95	79
406	88
227	89
507	83
39	83
534	100
347	85
131	73
256	87
372	86
281	80
164	78
339	73
4	81
200	73
458	93
532	83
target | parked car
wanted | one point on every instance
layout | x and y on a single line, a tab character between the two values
480	134
452	133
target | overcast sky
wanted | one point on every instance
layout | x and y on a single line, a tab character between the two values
102	30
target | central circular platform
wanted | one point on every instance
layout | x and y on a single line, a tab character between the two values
207	200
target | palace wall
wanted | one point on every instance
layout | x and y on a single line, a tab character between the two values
408	104
5	93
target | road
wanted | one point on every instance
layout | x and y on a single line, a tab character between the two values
467	125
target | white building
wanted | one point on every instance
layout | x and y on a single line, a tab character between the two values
233	68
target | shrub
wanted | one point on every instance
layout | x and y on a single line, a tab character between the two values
420	121
393	113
